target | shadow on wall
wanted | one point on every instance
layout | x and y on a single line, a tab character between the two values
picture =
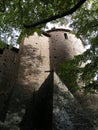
39	111
9	63
29	78
26	82
29	66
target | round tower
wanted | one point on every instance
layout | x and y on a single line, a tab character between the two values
63	46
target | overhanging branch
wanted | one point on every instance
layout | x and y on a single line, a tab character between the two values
68	12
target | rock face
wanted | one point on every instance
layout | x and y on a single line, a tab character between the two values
61	100
67	112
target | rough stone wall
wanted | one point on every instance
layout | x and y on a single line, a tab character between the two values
42	53
38	114
45	53
39	55
9	61
63	45
8	69
34	62
68	114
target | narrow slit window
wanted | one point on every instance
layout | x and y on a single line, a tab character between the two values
65	35
1	51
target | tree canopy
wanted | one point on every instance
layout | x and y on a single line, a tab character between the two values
20	18
85	26
28	16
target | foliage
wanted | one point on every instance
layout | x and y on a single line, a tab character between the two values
68	72
14	14
3	45
85	25
78	74
89	31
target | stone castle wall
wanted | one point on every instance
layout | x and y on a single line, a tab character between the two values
9	63
63	46
39	55
44	53
34	62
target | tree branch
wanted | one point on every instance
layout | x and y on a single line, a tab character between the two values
68	12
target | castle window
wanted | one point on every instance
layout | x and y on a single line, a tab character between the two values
1	51
65	35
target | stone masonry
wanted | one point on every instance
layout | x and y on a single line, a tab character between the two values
41	54
9	63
